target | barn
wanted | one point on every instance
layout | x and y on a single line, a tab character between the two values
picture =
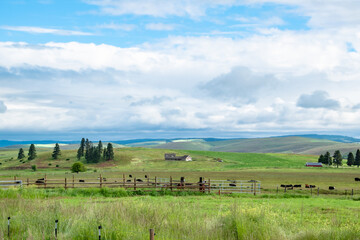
311	164
173	157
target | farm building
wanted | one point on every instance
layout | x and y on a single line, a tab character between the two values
311	164
173	157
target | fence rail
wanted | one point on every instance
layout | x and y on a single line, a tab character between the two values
145	184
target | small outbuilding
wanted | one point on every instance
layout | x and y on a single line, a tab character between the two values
173	157
311	164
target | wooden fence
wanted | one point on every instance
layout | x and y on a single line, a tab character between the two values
146	184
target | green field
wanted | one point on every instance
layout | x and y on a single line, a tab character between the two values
33	214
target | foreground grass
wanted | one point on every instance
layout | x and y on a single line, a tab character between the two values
183	217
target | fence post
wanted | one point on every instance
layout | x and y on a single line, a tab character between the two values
148	180
9	227
135	184
99	232
100	181
209	186
311	190
171	183
352	192
255	188
152	234
56	228
45	181
155	183
73	181
27	180
14	178
124	180
65	184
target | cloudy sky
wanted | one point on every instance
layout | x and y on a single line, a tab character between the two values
120	69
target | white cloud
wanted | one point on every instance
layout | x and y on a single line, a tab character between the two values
40	30
318	99
3	107
114	26
159	26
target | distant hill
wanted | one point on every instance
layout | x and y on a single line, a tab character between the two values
335	138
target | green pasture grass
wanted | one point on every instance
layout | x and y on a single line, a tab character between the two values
180	217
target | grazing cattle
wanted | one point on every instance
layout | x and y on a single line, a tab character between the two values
130	176
297	185
104	179
81	180
145	176
128	180
39	182
41	179
289	186
282	185
312	186
232	184
139	180
307	186
357	179
331	188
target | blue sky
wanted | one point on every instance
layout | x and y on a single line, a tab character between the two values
121	69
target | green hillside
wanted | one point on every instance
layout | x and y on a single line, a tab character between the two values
137	159
299	145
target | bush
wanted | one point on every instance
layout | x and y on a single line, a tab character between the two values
57	165
33	167
49	164
78	167
68	159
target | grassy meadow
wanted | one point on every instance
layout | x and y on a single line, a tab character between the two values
179	215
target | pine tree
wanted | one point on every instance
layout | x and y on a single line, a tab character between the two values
321	159
327	158
337	158
82	147
350	159
56	153
357	158
79	153
21	154
109	152
100	146
32	152
104	153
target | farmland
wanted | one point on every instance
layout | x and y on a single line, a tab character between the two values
125	214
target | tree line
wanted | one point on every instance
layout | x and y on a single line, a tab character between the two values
337	158
91	153
95	154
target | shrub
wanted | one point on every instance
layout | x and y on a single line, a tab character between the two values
49	164
33	167
68	159
78	167
57	165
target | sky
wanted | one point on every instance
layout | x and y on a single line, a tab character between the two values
123	69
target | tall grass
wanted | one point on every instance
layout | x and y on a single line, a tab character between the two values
33	214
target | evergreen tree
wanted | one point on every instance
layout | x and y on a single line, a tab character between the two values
82	147
100	146
109	152
327	158
357	158
21	154
321	159
32	152
337	158
104	153
56	153
79	153
350	159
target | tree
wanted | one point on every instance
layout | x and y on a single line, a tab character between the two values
32	152
82	147
357	158
337	158
321	159
100	146
327	158
21	154
56	153
350	159
78	167
104	153
79	154
109	152
33	167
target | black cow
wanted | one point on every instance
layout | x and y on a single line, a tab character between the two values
139	180
130	176
40	182
81	180
41	179
297	185
145	176
282	185
128	180
312	186
331	188
232	184
357	179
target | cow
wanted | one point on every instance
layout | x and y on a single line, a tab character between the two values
81	180
128	180
282	185
139	180
130	176
297	185
331	188
232	184
357	179
146	176
307	186
312	186
39	181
